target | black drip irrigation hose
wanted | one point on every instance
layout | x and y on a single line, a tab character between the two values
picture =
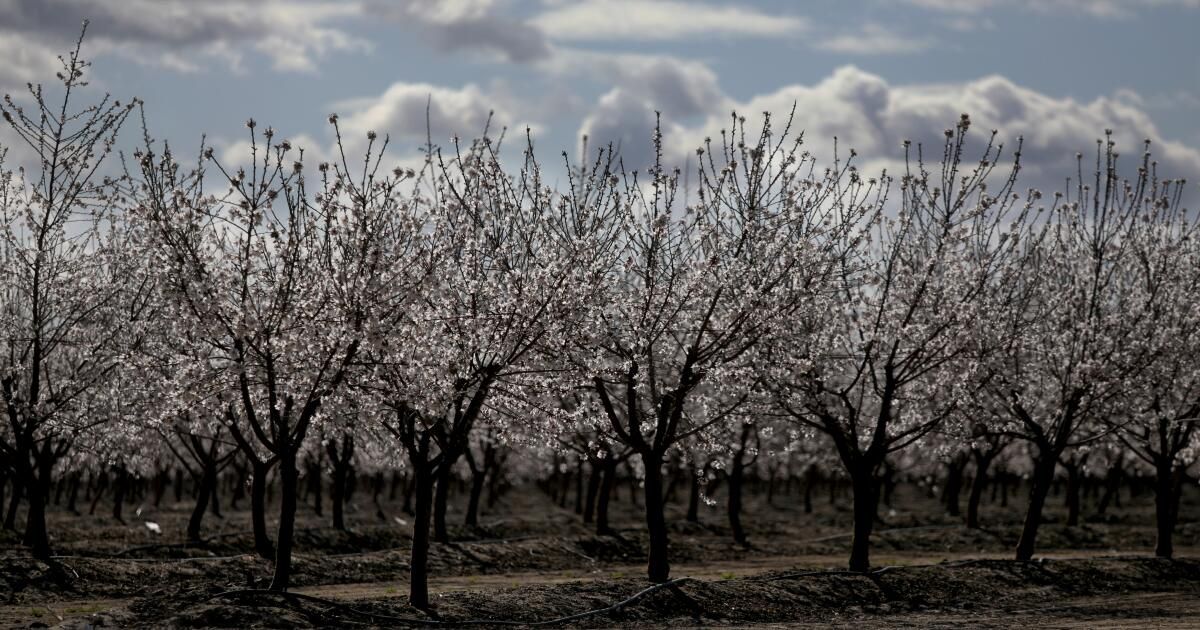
443	622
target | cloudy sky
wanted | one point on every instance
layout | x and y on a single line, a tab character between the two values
872	72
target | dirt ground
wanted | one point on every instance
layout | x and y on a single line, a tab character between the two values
532	560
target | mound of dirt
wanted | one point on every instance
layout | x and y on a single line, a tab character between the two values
973	587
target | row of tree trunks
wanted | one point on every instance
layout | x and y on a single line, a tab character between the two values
592	499
341	458
737	474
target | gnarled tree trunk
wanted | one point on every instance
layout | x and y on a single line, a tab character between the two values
866	502
289	481
1167	488
658	566
1043	478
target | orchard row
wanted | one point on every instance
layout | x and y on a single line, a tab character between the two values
773	314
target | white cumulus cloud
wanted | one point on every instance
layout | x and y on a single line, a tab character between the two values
594	20
186	35
866	112
874	39
1093	8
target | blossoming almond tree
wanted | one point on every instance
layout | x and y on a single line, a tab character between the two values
1071	344
671	350
195	442
203	450
1163	427
261	461
590	439
269	294
514	266
64	293
883	363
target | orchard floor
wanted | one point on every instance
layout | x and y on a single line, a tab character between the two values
531	560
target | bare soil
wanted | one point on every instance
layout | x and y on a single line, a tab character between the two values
532	560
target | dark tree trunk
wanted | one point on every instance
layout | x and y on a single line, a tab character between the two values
496	484
59	486
36	535
260	491
410	486
1003	478
205	494
810	479
888	483
441	499
177	486
73	493
160	487
658	566
672	481
37	494
120	488
14	503
1043	478
418	594
633	489
1167	487
1112	487
734	504
478	480
579	487
607	484
341	458
377	485
952	491
982	462
737	475
239	485
337	495
771	485
866	499
593	487
214	503
551	484
693	510
314	487
1135	486
1073	491
289	481
101	486
258	508
564	490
